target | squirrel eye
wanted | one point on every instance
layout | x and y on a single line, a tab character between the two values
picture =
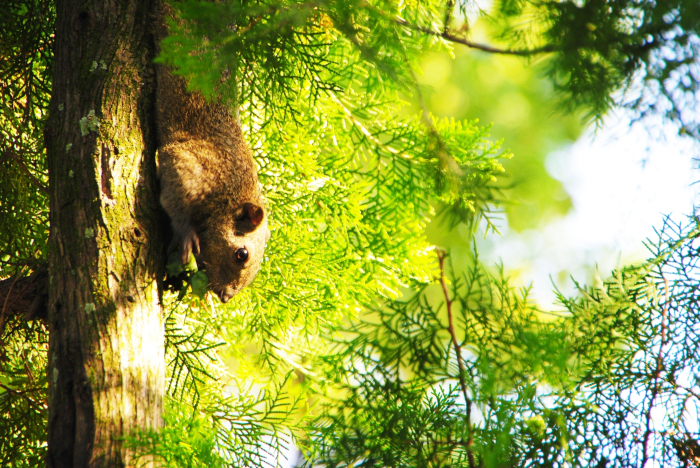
242	254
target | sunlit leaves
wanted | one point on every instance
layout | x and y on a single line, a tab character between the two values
638	332
341	312
350	186
612	381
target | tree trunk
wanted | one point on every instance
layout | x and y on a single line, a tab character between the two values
106	356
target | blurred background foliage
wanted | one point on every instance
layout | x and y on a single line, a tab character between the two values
522	110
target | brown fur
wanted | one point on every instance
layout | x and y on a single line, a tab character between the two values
209	184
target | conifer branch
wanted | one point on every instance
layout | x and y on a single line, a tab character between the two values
656	376
24	295
22	393
36	182
449	36
458	352
365	131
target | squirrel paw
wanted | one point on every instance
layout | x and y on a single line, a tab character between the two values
190	243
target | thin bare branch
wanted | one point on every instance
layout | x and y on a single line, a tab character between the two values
22	393
36	182
447	35
458	352
657	375
24	295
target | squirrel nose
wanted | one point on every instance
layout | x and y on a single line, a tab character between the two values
226	296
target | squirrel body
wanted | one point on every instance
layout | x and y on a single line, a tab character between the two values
209	184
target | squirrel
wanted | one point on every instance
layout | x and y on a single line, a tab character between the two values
209	183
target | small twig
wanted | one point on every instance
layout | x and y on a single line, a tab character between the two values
458	351
657	374
7	298
447	35
448	16
21	393
24	169
690	391
365	131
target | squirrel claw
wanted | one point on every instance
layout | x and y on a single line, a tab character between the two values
189	244
195	243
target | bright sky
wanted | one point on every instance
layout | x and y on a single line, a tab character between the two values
621	183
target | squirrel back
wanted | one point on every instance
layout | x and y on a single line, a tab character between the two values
209	183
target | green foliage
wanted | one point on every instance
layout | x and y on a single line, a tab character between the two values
613	380
25	88
186	277
639	54
601	53
408	396
351	189
23	393
213	418
346	344
522	107
349	201
638	333
184	442
280	61
236	430
269	52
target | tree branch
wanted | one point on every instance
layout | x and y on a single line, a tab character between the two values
458	351
24	295
657	375
36	182
447	35
22	393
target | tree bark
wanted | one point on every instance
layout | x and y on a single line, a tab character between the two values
106	347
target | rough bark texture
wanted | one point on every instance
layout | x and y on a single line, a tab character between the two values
106	358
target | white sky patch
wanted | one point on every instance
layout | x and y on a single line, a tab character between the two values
621	182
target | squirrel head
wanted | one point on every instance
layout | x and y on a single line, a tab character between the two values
233	247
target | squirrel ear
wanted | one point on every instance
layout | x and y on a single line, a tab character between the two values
254	213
